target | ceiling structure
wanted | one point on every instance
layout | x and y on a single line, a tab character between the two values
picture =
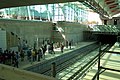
112	7
106	8
16	3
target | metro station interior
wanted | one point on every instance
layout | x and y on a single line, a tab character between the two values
60	40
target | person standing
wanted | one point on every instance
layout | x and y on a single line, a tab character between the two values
66	43
62	47
29	55
70	44
33	55
52	48
16	61
40	52
22	55
44	48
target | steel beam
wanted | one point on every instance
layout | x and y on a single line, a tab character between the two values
16	3
110	52
99	62
109	69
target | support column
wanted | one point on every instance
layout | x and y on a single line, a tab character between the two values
53	70
28	9
99	61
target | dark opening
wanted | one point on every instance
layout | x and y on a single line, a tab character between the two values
115	22
105	22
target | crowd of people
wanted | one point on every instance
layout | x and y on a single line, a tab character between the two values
13	58
9	57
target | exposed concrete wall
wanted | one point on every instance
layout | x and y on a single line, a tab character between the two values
7	40
72	31
36	30
3	42
28	30
111	21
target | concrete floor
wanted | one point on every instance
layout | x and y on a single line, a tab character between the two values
11	73
48	56
109	61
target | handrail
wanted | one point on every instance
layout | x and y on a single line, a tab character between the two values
76	73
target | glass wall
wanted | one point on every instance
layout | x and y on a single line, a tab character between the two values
72	11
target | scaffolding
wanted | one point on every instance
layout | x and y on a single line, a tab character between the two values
102	69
